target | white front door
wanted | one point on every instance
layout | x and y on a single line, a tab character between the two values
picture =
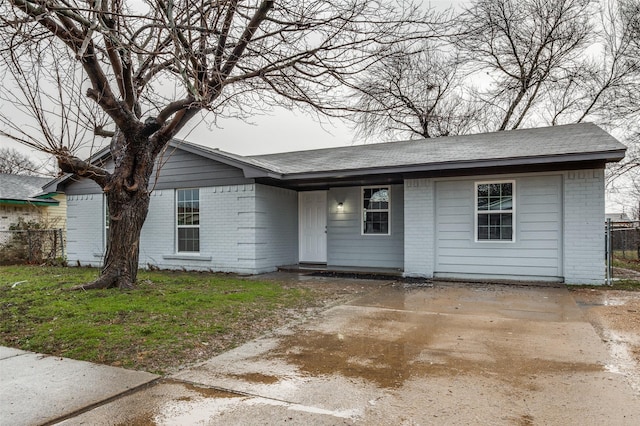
312	208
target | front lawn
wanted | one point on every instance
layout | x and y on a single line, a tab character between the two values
171	319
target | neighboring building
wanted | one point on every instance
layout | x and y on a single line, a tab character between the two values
618	217
22	197
515	205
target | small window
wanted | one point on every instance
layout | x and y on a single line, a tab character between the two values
188	220
107	222
494	211
375	210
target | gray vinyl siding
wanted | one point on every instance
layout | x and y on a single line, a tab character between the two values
276	240
82	186
178	169
181	169
536	252
346	246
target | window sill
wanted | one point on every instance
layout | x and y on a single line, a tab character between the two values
181	256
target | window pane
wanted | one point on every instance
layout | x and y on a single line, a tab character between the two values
483	190
507	232
376	223
495	226
494	189
506	204
483	203
376	198
380	195
189	239
494	232
507	189
494	203
483	232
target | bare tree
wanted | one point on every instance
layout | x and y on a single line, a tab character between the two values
15	162
604	86
413	95
521	46
213	56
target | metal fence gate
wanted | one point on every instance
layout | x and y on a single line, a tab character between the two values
32	246
622	241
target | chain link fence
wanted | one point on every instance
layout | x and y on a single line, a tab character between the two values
35	246
622	244
625	239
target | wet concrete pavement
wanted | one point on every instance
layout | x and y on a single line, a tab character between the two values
447	354
37	389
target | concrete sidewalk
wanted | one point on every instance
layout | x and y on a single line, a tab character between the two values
38	389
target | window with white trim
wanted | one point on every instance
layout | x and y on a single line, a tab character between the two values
495	211
376	210
107	221
188	220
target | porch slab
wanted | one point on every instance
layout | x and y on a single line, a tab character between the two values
355	270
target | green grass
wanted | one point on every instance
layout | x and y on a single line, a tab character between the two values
625	254
170	319
627	263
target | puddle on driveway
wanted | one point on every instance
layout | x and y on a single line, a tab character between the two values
265	379
176	402
517	302
417	346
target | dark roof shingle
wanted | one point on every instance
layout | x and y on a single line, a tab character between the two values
21	188
538	142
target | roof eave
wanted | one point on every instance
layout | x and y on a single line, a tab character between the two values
607	156
32	202
54	184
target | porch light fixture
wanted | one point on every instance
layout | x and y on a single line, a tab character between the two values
340	207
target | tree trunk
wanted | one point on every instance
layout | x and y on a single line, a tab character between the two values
123	246
120	268
128	200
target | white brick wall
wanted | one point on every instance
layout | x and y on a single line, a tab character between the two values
419	227
85	229
227	231
11	214
584	227
158	232
276	228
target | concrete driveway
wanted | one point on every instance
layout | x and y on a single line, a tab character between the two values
446	354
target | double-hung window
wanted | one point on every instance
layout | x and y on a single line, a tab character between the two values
495	211
376	210
188	220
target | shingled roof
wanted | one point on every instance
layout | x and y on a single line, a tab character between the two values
546	144
19	189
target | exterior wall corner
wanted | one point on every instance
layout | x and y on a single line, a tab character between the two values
584	213
419	228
